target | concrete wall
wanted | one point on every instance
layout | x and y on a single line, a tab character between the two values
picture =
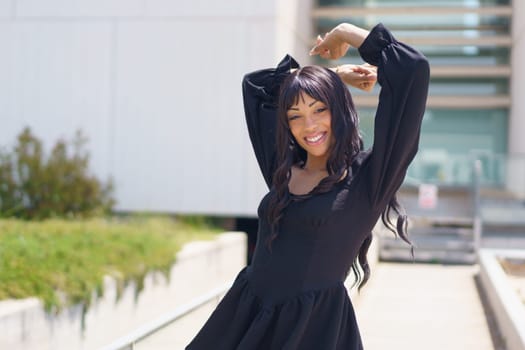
508	309
155	85
200	267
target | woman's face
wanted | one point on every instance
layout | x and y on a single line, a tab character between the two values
310	123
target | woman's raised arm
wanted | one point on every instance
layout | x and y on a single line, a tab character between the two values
260	90
403	74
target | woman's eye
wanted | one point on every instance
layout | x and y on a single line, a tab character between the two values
321	110
293	117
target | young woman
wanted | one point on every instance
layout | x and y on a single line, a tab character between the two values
326	193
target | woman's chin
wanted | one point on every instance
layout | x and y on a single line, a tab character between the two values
317	153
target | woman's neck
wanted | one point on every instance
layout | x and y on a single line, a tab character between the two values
315	164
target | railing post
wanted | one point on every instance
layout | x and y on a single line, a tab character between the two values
477	226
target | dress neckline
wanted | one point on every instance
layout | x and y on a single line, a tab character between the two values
310	193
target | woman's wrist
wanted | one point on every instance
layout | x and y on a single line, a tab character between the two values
351	34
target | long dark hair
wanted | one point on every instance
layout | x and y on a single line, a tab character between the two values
323	85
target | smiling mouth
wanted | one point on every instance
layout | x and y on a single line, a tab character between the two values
315	139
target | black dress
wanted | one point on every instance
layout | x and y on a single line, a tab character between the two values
294	297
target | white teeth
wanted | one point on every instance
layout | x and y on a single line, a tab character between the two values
314	139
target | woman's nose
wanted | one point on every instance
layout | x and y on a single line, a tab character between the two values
310	123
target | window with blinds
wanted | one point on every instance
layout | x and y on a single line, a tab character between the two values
468	44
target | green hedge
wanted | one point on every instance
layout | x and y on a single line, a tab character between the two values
63	262
34	185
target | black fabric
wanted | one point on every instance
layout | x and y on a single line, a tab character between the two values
260	92
294	297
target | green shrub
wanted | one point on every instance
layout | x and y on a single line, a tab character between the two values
36	186
63	262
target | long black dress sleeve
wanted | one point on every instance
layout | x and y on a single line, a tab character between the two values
260	91
403	74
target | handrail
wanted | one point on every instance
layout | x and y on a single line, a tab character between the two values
128	341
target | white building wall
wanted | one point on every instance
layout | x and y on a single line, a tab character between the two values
55	78
6	8
295	25
155	85
516	142
78	8
517	113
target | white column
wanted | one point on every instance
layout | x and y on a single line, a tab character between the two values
294	29
516	160
517	112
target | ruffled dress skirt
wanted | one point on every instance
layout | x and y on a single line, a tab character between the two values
321	319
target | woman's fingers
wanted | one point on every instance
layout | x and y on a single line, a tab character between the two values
357	76
322	47
330	46
326	54
368	70
316	50
322	51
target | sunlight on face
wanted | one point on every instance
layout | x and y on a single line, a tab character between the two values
310	123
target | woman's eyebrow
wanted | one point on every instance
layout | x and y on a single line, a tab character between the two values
310	105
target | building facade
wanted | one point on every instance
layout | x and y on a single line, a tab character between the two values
155	85
472	110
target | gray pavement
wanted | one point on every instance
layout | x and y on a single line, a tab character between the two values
177	335
422	306
404	306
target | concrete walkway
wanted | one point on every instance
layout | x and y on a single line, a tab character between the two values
422	306
404	306
180	333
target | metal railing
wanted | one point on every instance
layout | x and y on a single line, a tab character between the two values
504	171
129	341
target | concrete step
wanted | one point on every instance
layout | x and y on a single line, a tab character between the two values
441	231
503	242
433	256
504	216
442	221
436	239
429	243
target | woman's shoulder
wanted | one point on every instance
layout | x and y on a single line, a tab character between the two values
358	163
360	159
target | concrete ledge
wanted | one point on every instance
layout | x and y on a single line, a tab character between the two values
507	307
200	267
197	248
9	307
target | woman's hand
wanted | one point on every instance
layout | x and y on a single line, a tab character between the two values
331	46
363	77
335	43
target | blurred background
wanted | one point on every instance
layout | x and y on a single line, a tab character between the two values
154	90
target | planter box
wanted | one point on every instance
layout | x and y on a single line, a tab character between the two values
25	325
508	309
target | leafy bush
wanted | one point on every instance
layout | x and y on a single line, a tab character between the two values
36	186
63	262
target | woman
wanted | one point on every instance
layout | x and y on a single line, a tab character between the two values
326	193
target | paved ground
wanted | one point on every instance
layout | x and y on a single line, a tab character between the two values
423	306
179	334
404	306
